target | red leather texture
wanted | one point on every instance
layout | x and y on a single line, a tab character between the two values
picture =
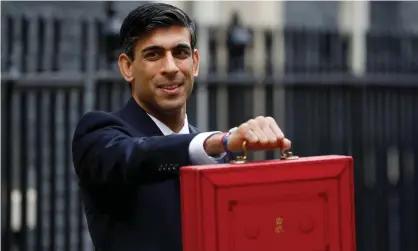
297	205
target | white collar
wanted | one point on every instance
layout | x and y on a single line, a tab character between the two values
167	131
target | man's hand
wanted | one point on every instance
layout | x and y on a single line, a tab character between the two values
261	133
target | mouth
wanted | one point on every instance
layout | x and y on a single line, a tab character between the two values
171	88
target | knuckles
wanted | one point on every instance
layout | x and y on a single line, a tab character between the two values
259	131
270	119
252	122
261	121
243	127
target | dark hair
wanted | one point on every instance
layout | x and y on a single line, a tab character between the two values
150	16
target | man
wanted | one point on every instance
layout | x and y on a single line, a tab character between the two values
128	161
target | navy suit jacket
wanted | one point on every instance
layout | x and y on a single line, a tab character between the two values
129	179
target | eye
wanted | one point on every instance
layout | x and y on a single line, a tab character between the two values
152	55
182	53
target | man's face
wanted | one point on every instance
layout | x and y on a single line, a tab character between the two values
163	71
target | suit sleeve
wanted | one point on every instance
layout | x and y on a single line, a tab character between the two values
105	153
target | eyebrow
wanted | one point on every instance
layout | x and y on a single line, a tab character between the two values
157	47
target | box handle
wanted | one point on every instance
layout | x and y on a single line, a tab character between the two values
243	158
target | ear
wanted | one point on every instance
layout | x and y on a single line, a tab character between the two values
125	67
196	61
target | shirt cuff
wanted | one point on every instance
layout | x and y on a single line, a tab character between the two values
197	153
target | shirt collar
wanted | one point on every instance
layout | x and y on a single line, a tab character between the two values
167	131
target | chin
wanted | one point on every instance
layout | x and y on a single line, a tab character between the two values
172	106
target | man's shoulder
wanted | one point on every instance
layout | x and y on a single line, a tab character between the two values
98	120
98	117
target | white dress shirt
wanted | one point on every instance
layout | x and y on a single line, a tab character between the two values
197	153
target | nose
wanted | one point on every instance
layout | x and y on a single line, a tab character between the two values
170	66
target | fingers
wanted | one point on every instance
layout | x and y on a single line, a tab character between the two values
275	128
286	144
264	133
257	128
249	135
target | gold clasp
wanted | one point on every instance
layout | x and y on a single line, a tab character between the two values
288	156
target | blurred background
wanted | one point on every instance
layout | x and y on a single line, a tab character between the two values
340	77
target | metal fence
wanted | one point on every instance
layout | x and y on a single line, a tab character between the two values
49	83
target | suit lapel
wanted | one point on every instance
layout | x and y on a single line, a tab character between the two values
193	129
139	119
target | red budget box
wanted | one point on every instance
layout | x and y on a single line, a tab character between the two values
306	204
